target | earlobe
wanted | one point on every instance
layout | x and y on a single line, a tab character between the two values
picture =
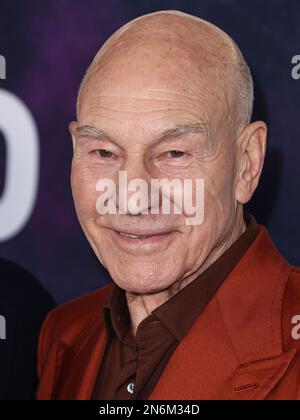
251	158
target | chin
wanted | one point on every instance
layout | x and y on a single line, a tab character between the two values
137	284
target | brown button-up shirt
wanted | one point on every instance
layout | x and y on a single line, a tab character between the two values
131	365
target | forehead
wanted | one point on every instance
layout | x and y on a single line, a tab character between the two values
139	120
145	107
136	92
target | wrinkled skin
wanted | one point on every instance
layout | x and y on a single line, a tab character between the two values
161	71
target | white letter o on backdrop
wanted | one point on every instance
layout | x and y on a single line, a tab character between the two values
22	165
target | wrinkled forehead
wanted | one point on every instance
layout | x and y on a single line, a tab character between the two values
143	82
163	72
146	104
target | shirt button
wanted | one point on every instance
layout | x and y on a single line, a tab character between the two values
130	387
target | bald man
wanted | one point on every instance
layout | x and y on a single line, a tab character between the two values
198	307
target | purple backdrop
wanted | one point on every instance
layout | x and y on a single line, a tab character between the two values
49	44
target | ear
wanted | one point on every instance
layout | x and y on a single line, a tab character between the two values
250	160
72	128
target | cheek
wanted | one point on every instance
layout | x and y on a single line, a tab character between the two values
217	195
84	181
218	209
219	187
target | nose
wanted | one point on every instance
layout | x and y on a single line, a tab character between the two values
134	187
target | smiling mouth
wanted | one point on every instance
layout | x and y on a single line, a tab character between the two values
134	236
141	238
129	235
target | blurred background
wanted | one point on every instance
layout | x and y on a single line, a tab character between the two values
48	46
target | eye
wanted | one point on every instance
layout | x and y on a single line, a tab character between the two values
104	153
175	153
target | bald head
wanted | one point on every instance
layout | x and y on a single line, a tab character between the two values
167	97
174	44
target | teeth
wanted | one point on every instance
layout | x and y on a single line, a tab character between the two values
133	236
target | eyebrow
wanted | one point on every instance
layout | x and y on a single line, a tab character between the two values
180	129
89	131
175	131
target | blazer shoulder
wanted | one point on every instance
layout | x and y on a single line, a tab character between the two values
291	310
66	321
293	284
296	271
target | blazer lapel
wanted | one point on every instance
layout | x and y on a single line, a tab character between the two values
205	367
256	380
234	349
75	367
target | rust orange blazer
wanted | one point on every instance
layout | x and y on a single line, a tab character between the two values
243	346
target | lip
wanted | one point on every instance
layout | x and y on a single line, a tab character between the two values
151	240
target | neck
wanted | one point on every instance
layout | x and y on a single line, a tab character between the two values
140	306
